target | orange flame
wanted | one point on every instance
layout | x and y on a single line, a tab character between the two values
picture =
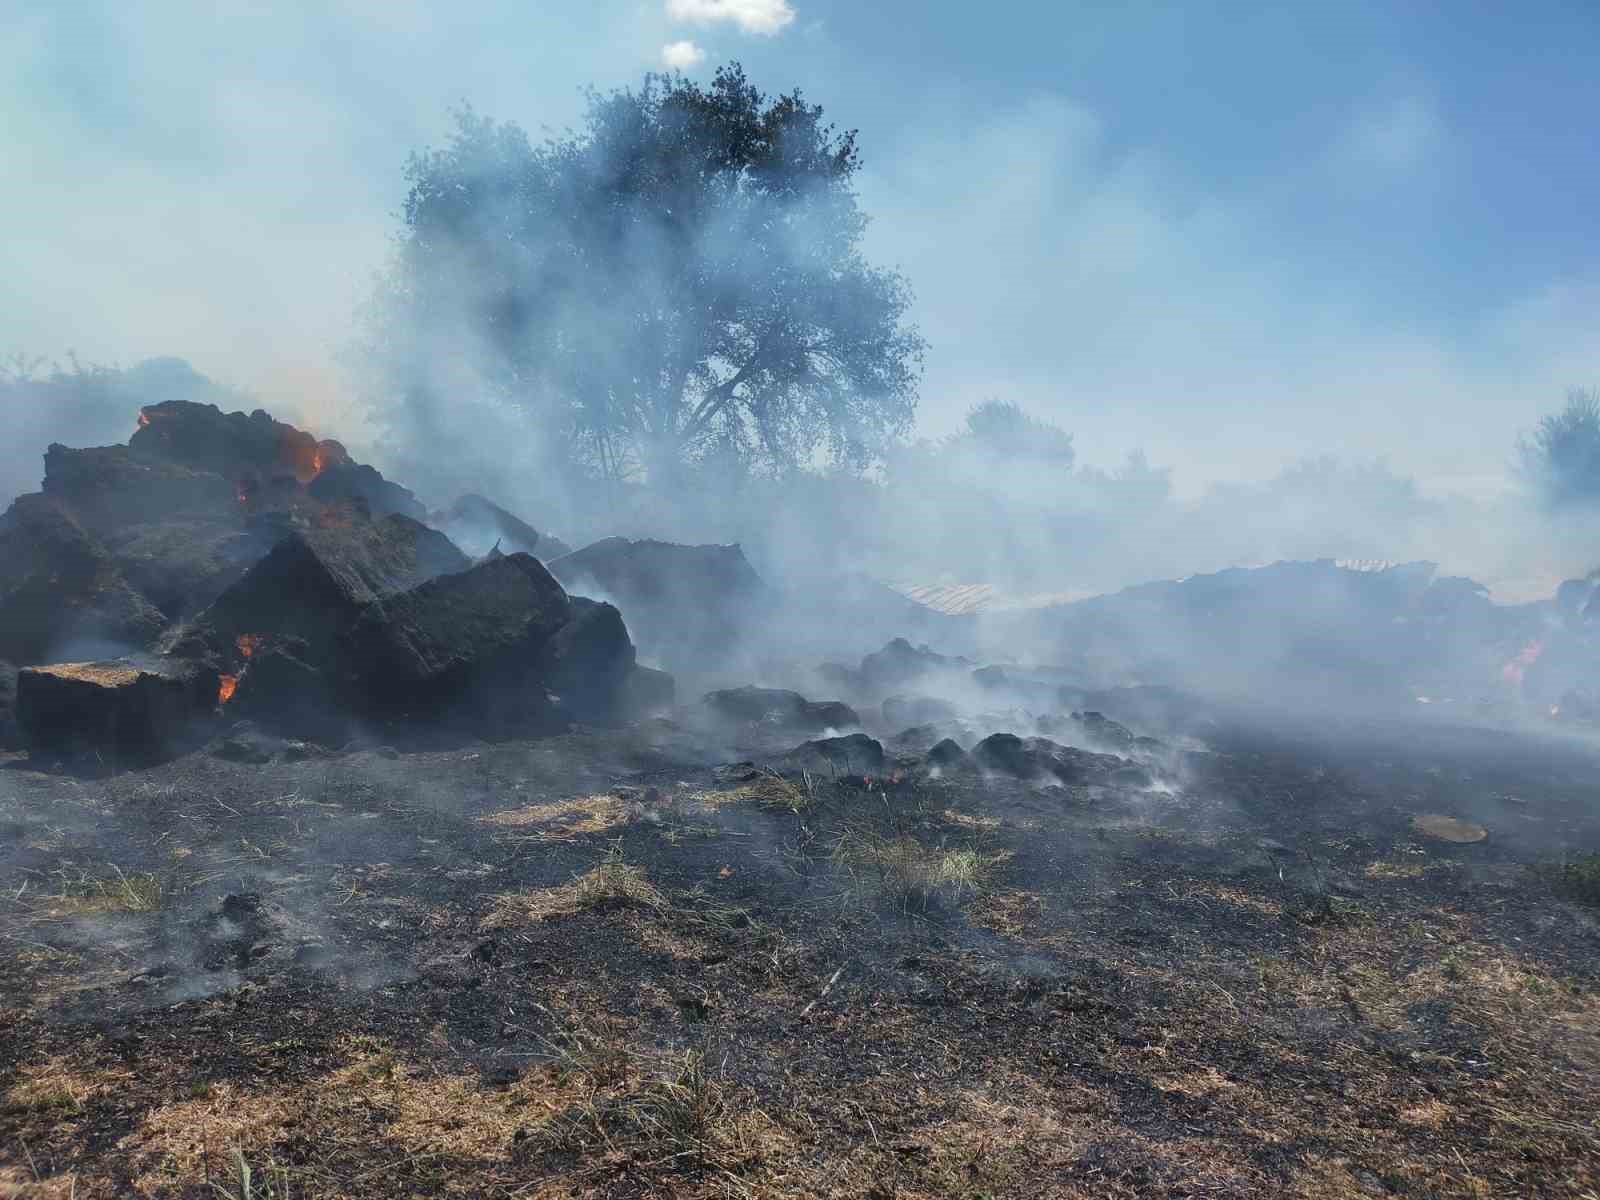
1514	671
144	419
248	643
226	684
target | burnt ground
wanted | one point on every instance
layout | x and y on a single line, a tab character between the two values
588	966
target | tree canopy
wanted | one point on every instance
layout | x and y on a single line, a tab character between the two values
1561	458
1002	430
680	278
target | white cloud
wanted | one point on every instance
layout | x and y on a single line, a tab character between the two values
1397	135
680	56
751	16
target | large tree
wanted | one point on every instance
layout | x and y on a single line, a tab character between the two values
1561	459
680	277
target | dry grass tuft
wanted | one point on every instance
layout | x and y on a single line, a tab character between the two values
53	1086
907	872
561	820
669	1112
770	792
83	894
614	882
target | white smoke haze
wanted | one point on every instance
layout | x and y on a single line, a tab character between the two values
248	175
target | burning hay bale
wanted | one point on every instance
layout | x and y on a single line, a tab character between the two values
776	707
687	605
262	457
136	710
316	583
321	633
125	540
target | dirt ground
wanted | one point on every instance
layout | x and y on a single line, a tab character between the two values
596	966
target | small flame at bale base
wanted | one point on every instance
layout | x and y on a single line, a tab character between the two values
226	684
144	419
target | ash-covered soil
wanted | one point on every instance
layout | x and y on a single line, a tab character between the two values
597	965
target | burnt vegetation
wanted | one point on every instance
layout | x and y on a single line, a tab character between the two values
356	847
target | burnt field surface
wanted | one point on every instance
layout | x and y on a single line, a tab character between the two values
597	964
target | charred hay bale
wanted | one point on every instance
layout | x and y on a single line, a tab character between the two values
316	583
591	665
59	588
900	662
646	693
774	706
853	754
345	482
475	524
428	639
183	566
947	754
473	646
108	487
587	661
1103	731
278	689
686	605
126	709
1037	758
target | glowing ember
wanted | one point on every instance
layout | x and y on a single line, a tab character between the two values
1514	670
248	643
144	419
226	685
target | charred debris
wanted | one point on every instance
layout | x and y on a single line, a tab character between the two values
224	567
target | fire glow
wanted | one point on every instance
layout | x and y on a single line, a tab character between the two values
247	644
1515	670
226	685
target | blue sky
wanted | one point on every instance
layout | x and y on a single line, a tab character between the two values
1231	237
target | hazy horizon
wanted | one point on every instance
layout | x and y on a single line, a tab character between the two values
1214	240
